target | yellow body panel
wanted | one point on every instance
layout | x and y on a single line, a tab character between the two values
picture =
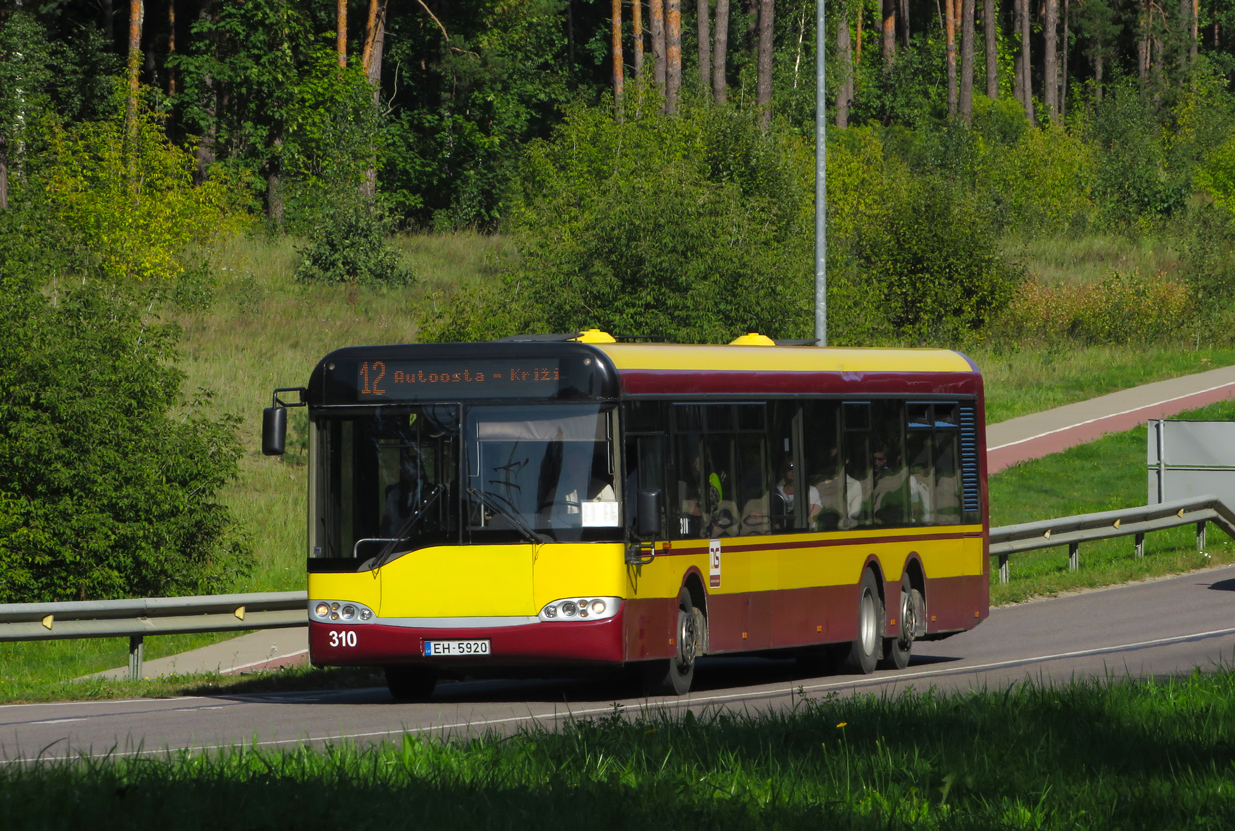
497	580
803	359
760	570
363	587
459	581
580	570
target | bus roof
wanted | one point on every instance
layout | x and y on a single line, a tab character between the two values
729	358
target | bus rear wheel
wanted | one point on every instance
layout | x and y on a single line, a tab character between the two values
410	683
673	676
864	652
896	650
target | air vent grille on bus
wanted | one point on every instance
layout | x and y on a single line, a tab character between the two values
970	489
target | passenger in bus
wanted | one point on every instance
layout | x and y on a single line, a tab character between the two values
889	499
785	494
840	497
920	487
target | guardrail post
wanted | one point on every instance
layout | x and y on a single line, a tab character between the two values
1200	537
1074	556
136	648
1140	545
1003	568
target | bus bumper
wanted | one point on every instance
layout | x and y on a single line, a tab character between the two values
557	642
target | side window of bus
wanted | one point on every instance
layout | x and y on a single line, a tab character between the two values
933	448
686	496
835	498
721	463
947	464
645	430
889	479
856	448
785	513
753	492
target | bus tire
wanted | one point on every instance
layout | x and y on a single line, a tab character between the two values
896	650
864	651
410	683
673	676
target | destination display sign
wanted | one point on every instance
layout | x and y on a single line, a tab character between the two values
451	378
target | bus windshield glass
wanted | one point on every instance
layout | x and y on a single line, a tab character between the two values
388	478
388	481
546	468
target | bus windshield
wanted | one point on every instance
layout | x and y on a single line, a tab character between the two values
388	479
546	468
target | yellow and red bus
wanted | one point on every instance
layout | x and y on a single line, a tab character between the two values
557	502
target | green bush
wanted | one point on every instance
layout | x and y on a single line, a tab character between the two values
108	483
350	246
695	228
123	199
1119	309
933	264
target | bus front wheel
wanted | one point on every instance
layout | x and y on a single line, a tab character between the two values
673	676
864	652
410	683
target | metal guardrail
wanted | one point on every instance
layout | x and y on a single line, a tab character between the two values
135	619
1074	530
140	617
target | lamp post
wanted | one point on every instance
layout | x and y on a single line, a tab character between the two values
821	183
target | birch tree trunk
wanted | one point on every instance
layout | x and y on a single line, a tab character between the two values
720	46
171	46
658	44
949	18
1026	64
844	90
636	22
341	31
990	24
889	31
371	61
673	54
763	94
705	46
137	13
967	60
618	70
1050	60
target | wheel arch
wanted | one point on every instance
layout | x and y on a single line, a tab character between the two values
692	581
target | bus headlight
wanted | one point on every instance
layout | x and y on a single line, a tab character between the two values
340	611
583	608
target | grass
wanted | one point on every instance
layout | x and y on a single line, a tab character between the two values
1028	381
286	679
1112	753
1092	258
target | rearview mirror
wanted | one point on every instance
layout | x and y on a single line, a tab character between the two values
650	504
274	431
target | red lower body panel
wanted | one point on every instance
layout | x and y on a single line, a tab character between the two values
644	628
535	643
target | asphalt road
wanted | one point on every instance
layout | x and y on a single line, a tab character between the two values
1160	628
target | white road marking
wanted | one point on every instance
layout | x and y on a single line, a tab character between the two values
1108	415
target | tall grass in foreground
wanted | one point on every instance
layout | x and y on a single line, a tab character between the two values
1118	754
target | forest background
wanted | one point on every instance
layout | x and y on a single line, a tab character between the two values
648	168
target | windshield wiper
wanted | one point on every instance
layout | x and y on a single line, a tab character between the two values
511	515
405	529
